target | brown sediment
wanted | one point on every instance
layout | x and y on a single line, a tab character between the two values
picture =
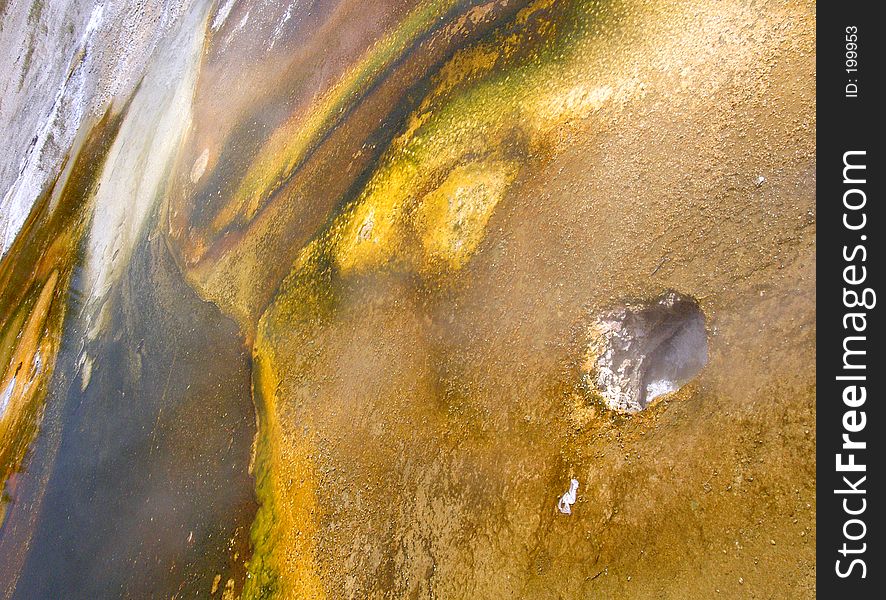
446	413
447	216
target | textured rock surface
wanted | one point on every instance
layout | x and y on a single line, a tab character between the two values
645	350
65	62
421	216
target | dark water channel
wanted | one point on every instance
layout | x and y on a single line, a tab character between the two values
144	473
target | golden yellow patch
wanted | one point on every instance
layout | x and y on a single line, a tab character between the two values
451	220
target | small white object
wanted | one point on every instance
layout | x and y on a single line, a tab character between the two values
200	166
660	388
85	372
568	499
6	396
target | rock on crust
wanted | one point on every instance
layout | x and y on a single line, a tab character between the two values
641	351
